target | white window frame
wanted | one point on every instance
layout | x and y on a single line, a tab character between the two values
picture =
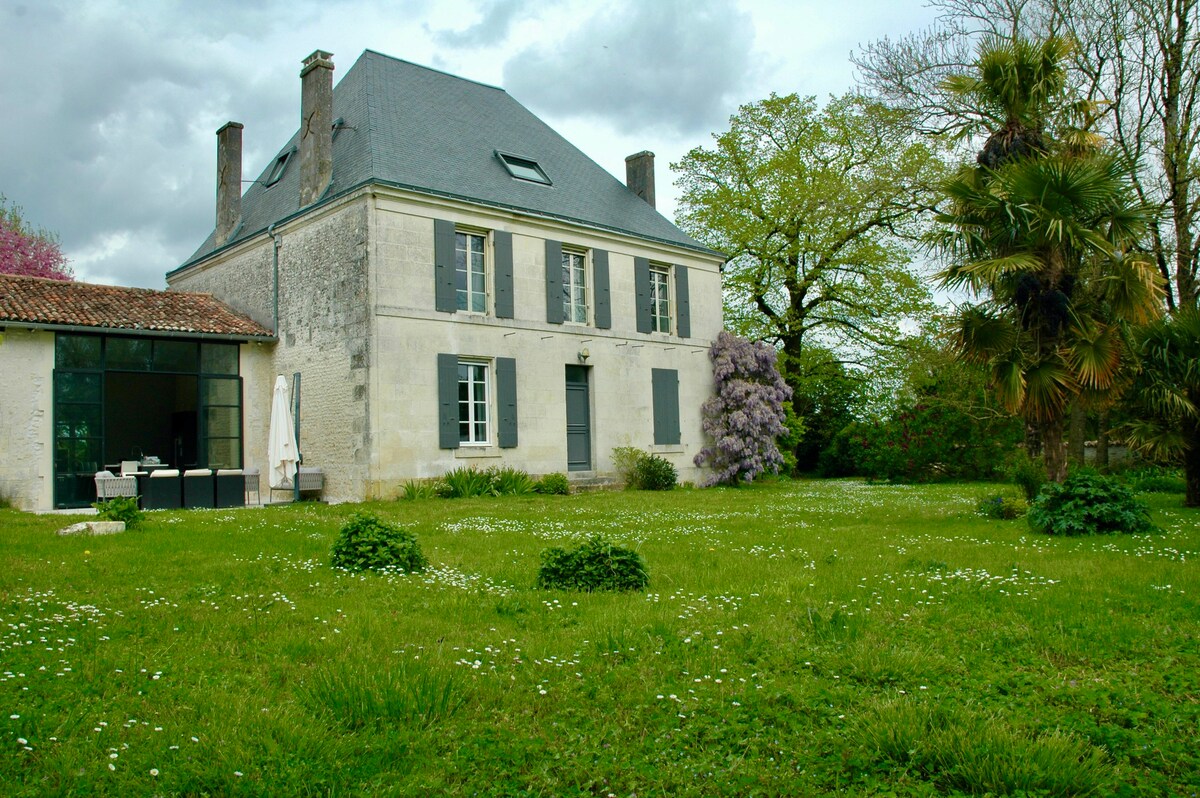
569	286
661	301
479	372
467	294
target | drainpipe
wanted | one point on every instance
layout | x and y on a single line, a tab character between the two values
278	239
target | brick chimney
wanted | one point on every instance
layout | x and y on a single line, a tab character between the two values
316	123
229	180
639	175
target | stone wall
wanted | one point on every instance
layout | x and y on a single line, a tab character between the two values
26	416
324	321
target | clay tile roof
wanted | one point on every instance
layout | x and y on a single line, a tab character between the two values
36	300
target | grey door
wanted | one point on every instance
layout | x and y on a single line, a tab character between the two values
579	422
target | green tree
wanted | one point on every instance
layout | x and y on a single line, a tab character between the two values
1043	229
1164	400
815	208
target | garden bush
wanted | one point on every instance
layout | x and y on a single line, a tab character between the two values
463	483
416	489
593	565
553	485
508	481
120	508
1001	507
1087	503
1151	479
367	543
1027	473
644	471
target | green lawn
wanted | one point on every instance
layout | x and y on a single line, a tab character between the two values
801	638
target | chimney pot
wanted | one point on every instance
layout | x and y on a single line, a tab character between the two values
316	121
229	180
639	175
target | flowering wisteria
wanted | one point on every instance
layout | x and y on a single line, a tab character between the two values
746	415
29	252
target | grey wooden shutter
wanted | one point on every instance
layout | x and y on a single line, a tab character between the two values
600	289
554	284
447	366
641	289
443	266
664	384
683	314
506	402
502	249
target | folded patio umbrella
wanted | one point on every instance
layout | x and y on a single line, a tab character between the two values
282	452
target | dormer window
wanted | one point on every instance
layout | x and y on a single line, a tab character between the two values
279	167
523	168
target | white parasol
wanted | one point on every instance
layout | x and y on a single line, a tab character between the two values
282	452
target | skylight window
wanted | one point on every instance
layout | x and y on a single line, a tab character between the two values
279	167
523	168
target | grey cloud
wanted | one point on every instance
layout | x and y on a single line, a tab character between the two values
498	17
680	62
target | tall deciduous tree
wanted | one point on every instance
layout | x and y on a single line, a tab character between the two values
813	206
1043	230
26	251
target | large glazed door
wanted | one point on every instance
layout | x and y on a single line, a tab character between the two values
579	424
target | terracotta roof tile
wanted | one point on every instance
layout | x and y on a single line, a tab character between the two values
36	300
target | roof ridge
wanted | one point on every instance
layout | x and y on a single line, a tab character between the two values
434	69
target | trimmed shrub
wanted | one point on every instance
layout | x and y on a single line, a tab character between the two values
593	565
120	508
1155	480
1000	507
654	473
366	543
644	471
553	485
1087	503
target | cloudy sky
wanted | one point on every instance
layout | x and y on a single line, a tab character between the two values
111	106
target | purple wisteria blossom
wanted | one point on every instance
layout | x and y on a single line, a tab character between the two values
746	415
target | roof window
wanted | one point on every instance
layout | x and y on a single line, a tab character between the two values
523	168
279	167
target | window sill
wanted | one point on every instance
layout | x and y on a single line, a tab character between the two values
475	452
667	448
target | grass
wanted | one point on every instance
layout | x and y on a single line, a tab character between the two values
806	638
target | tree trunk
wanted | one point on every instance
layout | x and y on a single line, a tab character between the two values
1054	449
1102	442
1033	439
1075	442
1191	464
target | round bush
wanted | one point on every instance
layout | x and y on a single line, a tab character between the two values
553	485
654	473
1087	503
594	565
366	543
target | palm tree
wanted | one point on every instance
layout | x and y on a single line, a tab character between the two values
1042	230
1165	396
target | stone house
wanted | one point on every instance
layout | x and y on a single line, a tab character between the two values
458	285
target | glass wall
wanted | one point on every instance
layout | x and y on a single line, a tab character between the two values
129	398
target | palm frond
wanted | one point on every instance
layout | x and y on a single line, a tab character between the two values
1008	381
1049	387
982	334
1095	355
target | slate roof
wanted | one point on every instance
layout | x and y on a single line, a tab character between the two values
416	128
61	303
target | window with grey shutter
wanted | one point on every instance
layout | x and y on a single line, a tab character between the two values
506	402
502	247
641	289
600	290
554	283
683	315
443	265
447	376
664	385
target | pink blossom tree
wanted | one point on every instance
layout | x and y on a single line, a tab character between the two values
746	415
29	252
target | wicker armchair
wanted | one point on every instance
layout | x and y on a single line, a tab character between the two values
109	486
